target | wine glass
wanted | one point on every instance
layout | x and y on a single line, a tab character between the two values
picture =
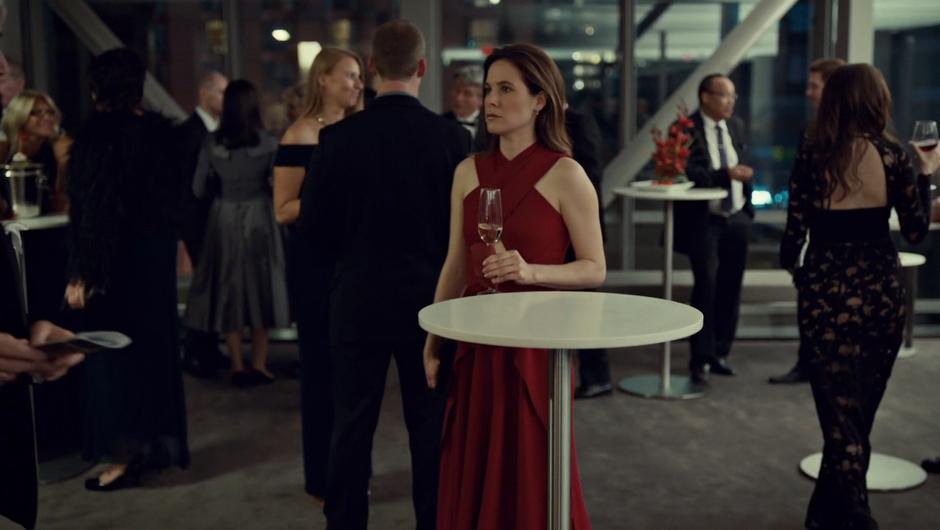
490	221
925	135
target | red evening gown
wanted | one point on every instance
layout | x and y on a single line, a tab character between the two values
494	451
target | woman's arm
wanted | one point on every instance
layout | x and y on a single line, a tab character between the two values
577	203
453	278
288	180
800	200
287	184
911	193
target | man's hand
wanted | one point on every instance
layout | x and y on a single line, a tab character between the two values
741	173
18	356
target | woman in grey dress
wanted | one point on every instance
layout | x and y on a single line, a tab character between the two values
240	280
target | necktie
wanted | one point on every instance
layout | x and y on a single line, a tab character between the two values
727	203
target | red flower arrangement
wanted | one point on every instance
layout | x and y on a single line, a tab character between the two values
672	152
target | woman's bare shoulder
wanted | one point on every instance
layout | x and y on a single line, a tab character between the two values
304	131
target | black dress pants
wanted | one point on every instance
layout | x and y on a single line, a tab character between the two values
594	367
360	370
718	262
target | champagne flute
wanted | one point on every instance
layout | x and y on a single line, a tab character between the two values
925	135
490	221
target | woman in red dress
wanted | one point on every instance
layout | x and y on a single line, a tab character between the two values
494	450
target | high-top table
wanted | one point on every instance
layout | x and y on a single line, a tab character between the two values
909	263
560	321
665	385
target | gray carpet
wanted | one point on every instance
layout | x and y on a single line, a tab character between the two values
727	461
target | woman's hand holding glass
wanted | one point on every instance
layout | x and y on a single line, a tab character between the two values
508	265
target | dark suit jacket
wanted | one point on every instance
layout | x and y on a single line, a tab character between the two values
586	145
376	203
194	212
480	138
17	456
691	217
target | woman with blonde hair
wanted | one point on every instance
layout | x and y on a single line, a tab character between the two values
32	127
334	90
494	448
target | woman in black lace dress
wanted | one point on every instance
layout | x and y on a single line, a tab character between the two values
849	174
123	182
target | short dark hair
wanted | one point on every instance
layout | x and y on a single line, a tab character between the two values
825	66
241	116
397	48
706	84
117	79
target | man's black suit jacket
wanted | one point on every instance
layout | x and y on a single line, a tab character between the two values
586	145
17	453
691	217
376	203
480	138
194	212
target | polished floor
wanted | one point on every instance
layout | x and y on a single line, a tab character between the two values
726	461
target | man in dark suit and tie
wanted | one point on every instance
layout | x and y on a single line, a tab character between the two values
201	355
377	204
714	234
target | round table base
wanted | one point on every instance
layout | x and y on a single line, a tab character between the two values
906	352
885	472
650	386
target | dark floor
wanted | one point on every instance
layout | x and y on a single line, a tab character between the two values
727	461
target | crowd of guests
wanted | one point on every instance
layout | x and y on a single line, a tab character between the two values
311	228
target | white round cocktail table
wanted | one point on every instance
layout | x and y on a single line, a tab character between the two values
885	472
16	227
560	321
909	262
665	385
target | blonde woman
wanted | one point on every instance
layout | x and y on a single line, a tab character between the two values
333	91
32	127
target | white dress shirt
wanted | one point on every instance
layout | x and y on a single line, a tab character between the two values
711	138
211	123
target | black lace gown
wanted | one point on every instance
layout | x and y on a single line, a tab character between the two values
851	317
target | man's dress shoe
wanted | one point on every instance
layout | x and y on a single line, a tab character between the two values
593	391
931	465
720	366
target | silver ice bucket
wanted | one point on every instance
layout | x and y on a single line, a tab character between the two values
25	184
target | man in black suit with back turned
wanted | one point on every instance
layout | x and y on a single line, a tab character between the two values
201	355
377	204
593	366
714	234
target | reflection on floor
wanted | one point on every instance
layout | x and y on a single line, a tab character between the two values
727	461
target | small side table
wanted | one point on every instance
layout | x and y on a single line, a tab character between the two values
665	385
909	262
